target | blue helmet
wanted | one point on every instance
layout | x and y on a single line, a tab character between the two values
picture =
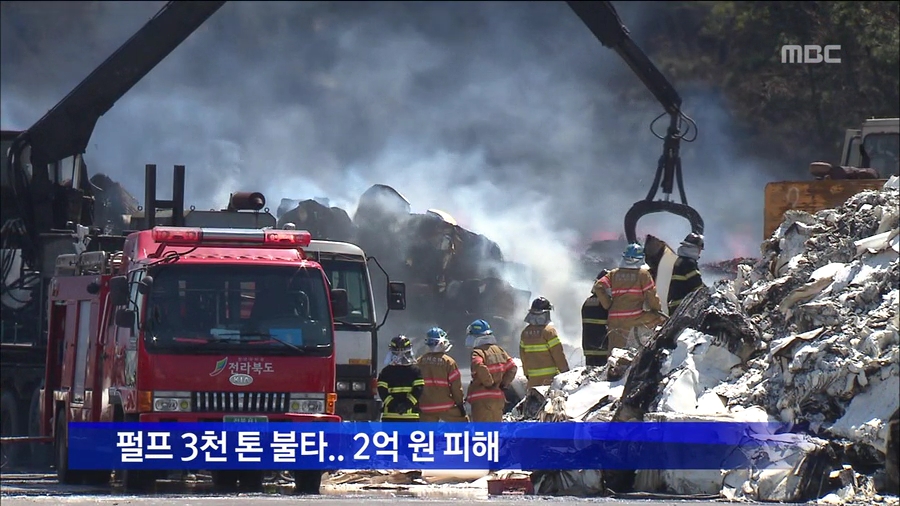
634	252
434	336
479	328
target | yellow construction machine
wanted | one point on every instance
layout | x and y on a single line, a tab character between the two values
869	156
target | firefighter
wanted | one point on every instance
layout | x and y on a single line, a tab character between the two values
442	399
629	294
400	383
492	371
540	348
593	330
686	273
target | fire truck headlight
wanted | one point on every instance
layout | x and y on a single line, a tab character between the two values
359	386
172	401
342	386
301	403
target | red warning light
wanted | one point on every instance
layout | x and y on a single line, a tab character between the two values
289	238
187	236
177	235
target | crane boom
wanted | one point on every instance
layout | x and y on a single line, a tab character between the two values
39	157
66	129
604	22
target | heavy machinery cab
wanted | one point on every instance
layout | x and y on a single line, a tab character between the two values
875	144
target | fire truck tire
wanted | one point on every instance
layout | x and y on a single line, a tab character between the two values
225	481
138	480
41	454
10	455
251	481
307	482
63	473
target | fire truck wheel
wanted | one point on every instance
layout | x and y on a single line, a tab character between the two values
251	481
138	481
225	481
307	482
10	455
63	474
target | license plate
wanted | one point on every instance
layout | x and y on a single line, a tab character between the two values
245	419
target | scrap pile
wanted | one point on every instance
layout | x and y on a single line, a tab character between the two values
806	337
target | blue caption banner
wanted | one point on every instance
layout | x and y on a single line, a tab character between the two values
377	445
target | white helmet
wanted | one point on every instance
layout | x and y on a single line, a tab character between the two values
289	226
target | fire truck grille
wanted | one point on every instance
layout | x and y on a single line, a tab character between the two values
239	402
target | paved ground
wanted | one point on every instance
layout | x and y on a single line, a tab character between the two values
42	489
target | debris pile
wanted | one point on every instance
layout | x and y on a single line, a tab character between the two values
807	337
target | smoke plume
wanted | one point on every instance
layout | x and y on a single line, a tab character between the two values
508	115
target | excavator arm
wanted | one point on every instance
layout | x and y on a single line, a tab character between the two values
40	158
603	21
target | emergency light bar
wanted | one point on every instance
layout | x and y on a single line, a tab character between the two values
190	236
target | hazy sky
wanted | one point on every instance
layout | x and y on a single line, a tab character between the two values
510	116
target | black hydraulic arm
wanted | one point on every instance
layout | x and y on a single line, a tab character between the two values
44	202
66	129
603	21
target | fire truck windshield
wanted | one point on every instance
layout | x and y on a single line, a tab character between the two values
211	308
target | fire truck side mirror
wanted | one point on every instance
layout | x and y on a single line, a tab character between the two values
125	318
396	296
340	303
145	285
118	290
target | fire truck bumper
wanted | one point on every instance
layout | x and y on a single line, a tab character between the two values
249	417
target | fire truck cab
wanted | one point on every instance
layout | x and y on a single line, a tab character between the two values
191	324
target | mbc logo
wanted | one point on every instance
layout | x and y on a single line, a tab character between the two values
810	54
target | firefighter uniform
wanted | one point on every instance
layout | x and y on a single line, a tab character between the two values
492	371
630	296
542	354
442	399
400	387
593	332
685	279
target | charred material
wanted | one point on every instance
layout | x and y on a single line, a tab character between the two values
453	275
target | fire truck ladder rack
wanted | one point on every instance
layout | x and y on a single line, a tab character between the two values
94	263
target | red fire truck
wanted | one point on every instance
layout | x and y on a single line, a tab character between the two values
191	324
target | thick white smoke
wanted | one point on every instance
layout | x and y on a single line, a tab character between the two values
509	116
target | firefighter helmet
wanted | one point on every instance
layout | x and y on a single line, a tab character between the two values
436	340
540	305
434	334
479	328
693	239
400	343
634	252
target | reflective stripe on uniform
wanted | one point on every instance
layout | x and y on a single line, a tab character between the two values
625	314
593	321
543	371
418	383
436	408
434	382
401	390
453	375
383	384
486	394
678	277
405	416
540	347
